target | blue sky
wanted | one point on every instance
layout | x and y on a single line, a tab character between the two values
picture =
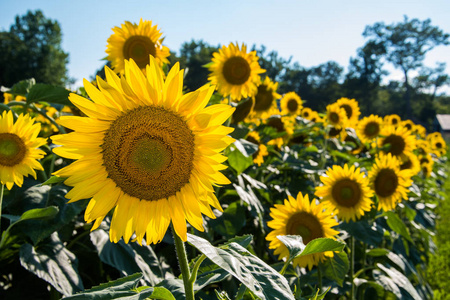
312	32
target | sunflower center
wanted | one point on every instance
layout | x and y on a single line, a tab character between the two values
276	123
263	98
397	144
348	110
394	121
424	160
334	132
148	152
386	183
346	192
372	129
139	48
408	126
406	165
12	149
438	145
292	105
236	70
306	114
306	225
334	117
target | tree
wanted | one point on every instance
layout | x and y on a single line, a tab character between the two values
32	49
406	44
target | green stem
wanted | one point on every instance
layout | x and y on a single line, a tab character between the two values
195	269
184	266
319	275
286	264
1	202
352	267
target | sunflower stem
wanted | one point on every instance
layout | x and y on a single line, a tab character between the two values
352	267
195	269
286	264
184	266
319	275
1	203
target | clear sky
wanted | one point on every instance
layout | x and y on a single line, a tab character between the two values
312	32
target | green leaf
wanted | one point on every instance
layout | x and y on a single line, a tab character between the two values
54	180
322	245
387	283
238	161
255	274
396	224
39	213
21	88
128	258
337	267
400	280
371	234
53	263
231	221
320	296
377	252
48	93
111	290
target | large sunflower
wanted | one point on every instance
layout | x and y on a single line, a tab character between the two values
345	190
235	72
146	150
399	139
369	128
18	148
291	104
389	183
300	217
336	116
351	108
137	42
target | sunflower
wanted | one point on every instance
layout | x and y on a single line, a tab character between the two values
146	150
336	116
421	131
351	108
423	146
426	159
426	170
235	72
300	217
337	132
265	100
408	124
258	156
346	191
399	139
291	104
392	120
18	148
306	113
438	145
137	42
369	128
389	183
411	162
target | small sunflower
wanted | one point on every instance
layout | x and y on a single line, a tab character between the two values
300	217
426	170
408	124
306	113
346	191
137	42
265	100
146	150
337	132
421	131
18	148
389	183
410	161
423	147
399	138
336	116
438	145
369	128
258	156
235	72
392	120
291	104
426	159
351	108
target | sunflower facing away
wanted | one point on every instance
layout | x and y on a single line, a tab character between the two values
399	139
301	217
369	128
291	104
137	42
389	183
235	72
146	150
346	191
18	148
336	116
351	108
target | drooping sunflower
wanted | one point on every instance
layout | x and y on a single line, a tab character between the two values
265	100
369	128
351	108
389	183
410	161
258	156
345	190
399	138
336	116
392	120
146	150
291	104
301	217
426	170
137	42
19	148
235	72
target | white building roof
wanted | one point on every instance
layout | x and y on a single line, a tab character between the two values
444	121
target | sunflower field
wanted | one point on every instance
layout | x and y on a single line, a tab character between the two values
135	188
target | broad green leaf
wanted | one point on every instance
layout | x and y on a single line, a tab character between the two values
337	267
322	245
245	147
48	93
21	88
255	274
111	290
377	252
39	213
53	180
387	283
396	224
238	161
231	221
400	280
128	258
53	263
371	234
